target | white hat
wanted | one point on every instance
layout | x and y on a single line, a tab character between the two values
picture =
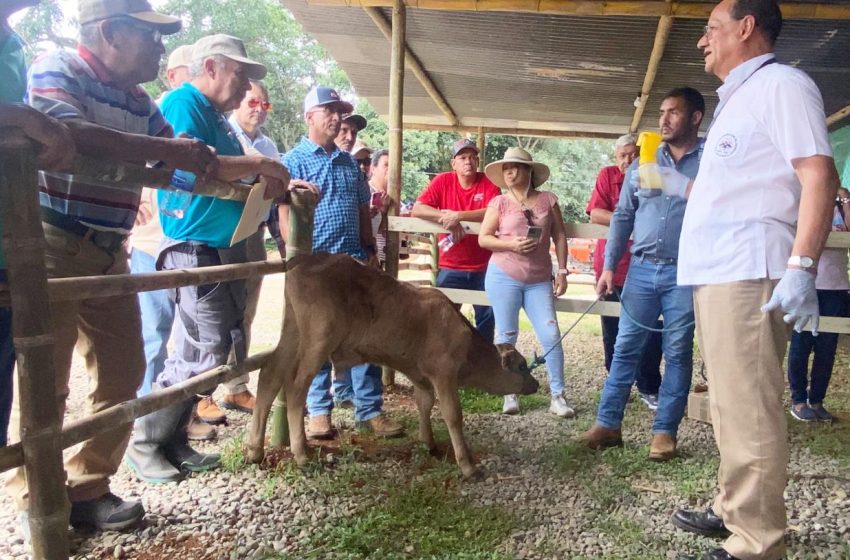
181	56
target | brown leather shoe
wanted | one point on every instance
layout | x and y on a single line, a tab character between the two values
662	448
199	431
209	412
598	437
319	427
382	426
243	402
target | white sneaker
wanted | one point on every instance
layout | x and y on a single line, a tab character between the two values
511	405
559	407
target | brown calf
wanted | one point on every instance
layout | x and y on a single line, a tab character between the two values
340	309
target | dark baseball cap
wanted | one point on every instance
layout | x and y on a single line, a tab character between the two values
464	144
358	121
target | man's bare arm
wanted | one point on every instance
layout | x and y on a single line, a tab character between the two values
819	178
600	216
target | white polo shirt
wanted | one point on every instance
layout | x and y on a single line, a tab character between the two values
742	212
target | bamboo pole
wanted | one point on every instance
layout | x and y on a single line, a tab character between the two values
40	422
124	413
482	144
635	8
838	115
299	242
398	54
662	33
412	60
506	131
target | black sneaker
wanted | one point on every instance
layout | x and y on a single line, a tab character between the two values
107	513
821	413
704	523
803	412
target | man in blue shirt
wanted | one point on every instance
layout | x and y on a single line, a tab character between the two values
209	318
655	217
342	224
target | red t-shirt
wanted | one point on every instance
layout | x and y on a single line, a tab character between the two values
605	196
445	193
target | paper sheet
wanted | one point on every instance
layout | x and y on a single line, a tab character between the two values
255	213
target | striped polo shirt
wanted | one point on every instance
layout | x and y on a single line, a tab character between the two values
76	85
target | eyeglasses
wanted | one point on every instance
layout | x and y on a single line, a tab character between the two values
152	33
529	216
264	105
364	161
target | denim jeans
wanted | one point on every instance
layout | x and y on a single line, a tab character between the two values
649	374
7	367
368	391
157	319
832	303
507	296
484	322
650	291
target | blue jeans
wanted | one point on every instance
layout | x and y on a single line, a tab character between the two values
651	291
368	391
7	367
649	373
484	322
832	303
157	319
507	296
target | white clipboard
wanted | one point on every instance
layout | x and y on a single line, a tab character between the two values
255	213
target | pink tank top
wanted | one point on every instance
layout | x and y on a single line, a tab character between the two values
536	266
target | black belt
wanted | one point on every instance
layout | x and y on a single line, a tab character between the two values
110	241
657	260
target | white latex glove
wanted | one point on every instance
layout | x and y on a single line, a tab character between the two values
673	183
795	294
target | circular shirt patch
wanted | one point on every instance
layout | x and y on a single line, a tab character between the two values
726	146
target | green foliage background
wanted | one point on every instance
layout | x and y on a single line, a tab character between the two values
297	62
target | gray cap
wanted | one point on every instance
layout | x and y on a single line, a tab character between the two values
230	47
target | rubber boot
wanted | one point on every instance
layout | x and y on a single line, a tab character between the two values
144	453
179	454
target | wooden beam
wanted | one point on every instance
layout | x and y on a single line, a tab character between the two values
838	115
512	131
661	35
415	66
482	144
637	8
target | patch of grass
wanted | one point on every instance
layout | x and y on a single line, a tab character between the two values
473	401
417	521
232	457
830	440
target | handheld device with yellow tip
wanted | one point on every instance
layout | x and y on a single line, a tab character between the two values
647	165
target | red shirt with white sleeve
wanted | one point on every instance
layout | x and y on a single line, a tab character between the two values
605	196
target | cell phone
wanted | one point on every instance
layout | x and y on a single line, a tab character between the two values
534	232
376	199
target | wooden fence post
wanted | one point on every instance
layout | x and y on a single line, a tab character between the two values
299	242
40	422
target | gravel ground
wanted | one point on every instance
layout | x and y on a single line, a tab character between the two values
560	513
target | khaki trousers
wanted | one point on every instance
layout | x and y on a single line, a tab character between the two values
107	333
743	350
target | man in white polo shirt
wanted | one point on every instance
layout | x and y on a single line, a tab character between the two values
756	223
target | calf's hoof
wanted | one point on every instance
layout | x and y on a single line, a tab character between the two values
253	454
477	474
302	460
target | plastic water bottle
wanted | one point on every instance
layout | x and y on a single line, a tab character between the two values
175	201
446	243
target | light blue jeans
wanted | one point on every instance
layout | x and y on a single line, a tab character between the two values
650	291
367	386
508	296
157	319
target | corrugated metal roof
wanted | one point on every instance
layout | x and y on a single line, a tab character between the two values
531	70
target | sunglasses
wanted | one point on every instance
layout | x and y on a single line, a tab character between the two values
152	33
529	216
264	105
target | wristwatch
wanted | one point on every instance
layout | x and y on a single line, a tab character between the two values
797	261
564	271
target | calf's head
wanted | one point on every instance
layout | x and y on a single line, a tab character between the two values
504	373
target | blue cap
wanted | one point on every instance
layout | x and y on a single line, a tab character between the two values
320	95
464	144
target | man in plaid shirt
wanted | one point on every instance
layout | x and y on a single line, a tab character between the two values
341	225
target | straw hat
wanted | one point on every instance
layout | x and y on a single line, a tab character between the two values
539	171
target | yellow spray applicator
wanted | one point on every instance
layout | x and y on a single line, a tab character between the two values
647	165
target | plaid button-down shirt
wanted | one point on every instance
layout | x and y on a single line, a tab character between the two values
336	227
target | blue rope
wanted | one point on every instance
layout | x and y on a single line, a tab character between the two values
540	360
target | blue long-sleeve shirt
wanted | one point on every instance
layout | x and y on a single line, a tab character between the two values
653	217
